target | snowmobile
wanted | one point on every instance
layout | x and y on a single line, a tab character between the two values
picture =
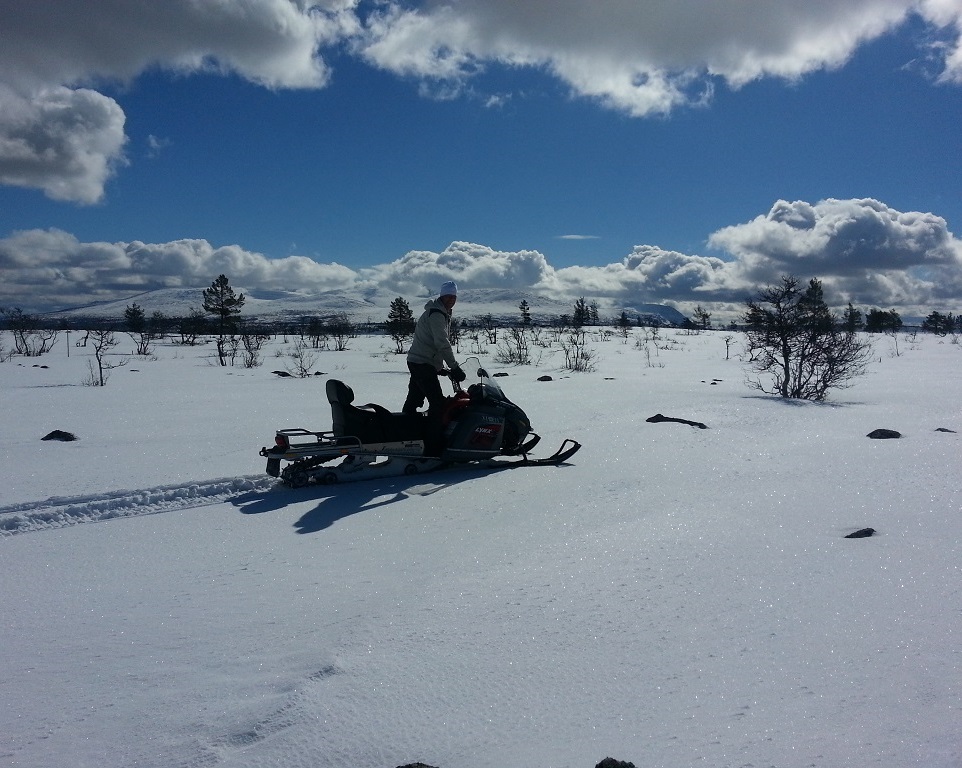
479	425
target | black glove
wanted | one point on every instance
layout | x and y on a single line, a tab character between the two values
458	375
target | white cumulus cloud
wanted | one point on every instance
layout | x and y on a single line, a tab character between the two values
862	250
643	58
478	266
53	269
59	135
639	58
65	142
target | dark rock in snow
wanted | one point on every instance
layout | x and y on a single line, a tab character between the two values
500	375
943	429
282	374
416	765
884	434
546	377
610	762
59	434
659	418
862	533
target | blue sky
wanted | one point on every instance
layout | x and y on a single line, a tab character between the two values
532	140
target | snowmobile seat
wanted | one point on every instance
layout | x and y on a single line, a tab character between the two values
371	423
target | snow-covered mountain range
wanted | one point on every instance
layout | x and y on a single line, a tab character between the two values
361	306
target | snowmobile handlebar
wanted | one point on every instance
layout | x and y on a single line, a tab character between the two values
457	379
455	382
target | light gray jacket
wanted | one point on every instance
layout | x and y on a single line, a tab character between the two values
431	345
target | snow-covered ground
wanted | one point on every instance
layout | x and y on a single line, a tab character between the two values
673	597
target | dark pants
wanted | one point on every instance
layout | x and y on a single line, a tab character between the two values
424	385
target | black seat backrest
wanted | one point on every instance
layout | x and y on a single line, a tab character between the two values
340	396
339	392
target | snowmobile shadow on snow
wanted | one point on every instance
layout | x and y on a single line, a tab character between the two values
372	495
333	505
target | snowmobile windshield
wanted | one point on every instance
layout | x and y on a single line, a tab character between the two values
488	389
488	382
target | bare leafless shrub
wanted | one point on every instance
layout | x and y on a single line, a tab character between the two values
796	347
513	349
302	358
98	369
578	355
253	345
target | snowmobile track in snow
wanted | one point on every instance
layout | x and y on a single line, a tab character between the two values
63	511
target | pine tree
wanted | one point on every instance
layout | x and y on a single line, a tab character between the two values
136	321
879	321
221	301
582	313
938	323
852	319
702	318
813	311
400	323
135	318
525	313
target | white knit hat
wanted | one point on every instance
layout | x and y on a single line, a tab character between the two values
450	288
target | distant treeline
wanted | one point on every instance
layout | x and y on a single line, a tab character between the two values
196	323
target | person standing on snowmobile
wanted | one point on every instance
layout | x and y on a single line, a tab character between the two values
430	350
